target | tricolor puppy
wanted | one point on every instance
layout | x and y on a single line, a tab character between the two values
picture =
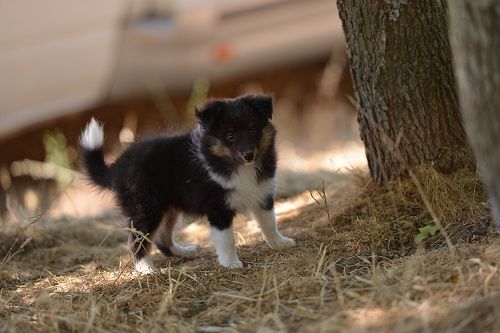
226	165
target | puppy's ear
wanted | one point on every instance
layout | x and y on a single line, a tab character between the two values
209	112
262	104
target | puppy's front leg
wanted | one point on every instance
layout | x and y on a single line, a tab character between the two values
267	222
223	239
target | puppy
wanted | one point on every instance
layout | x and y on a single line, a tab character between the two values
225	165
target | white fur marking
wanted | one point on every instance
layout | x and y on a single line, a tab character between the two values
248	193
144	266
93	135
221	180
267	223
223	241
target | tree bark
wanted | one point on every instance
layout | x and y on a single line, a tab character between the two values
475	40
401	67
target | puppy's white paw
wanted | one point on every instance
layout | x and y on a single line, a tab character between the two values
282	243
183	250
231	262
144	266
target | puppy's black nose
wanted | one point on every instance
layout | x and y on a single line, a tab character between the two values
248	156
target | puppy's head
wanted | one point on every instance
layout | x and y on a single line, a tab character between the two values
238	130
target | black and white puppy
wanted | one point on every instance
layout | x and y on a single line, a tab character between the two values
225	165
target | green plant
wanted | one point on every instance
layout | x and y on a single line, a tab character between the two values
426	232
56	153
198	94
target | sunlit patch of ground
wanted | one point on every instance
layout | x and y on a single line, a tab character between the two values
348	156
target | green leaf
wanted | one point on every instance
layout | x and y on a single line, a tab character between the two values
419	238
433	229
429	229
425	232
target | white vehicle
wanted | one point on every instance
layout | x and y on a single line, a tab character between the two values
62	56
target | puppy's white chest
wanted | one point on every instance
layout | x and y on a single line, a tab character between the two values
247	192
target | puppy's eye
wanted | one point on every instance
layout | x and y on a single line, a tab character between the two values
230	136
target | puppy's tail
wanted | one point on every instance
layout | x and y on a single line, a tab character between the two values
92	154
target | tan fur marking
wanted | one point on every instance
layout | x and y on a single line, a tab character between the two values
266	140
218	149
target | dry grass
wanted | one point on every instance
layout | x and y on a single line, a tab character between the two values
356	268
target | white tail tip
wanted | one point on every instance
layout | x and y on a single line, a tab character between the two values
93	135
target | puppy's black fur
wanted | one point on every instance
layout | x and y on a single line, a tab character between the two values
188	173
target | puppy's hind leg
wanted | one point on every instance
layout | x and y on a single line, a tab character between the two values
142	228
164	239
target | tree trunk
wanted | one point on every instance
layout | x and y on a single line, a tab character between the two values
401	67
475	40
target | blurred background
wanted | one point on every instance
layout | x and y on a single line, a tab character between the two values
142	66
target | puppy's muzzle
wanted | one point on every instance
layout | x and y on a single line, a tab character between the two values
248	156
